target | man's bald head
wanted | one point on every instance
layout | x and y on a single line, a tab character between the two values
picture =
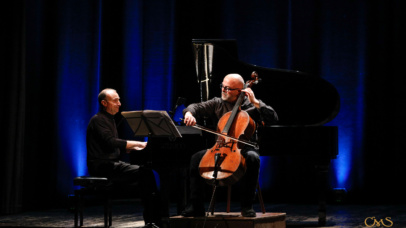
235	79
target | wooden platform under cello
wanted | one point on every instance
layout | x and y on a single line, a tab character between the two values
234	220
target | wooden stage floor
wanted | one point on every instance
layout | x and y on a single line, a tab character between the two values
128	214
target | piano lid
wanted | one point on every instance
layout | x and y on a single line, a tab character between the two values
298	98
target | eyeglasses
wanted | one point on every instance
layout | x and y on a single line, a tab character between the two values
226	88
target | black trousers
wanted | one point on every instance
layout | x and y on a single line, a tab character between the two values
248	182
124	175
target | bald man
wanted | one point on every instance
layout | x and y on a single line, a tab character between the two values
231	88
103	156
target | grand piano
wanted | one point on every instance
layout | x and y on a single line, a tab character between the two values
304	103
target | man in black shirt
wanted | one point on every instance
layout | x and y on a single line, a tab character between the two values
103	153
215	108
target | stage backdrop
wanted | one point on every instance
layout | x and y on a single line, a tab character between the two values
57	55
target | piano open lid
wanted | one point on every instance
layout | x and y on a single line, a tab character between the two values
298	98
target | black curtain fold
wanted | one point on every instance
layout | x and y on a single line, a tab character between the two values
12	115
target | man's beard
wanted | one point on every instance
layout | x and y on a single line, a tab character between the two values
226	97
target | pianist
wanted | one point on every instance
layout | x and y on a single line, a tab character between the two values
215	108
103	151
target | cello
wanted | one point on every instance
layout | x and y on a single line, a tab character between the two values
223	164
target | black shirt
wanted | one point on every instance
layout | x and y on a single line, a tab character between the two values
216	107
102	138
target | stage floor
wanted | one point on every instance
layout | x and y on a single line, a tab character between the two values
128	214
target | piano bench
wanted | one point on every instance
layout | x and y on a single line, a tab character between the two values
92	186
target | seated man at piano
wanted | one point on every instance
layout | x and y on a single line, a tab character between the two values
103	154
231	88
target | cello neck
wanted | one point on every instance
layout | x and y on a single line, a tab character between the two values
234	112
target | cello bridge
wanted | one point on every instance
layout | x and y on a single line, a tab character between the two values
224	144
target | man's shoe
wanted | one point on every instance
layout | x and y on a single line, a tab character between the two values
248	212
194	210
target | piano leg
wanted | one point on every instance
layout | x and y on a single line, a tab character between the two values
183	194
174	180
322	172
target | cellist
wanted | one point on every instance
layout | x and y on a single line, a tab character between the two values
231	88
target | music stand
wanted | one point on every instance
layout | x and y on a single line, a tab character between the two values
151	123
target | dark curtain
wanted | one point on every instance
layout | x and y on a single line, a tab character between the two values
57	55
385	112
13	113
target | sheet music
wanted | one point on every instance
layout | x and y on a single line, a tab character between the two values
151	123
